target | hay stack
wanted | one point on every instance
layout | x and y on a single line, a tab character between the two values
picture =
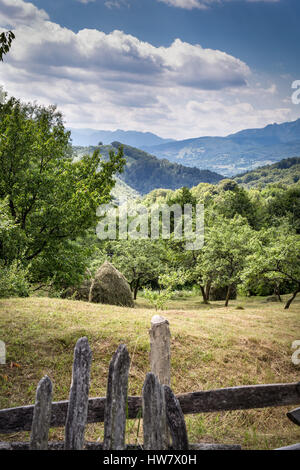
110	287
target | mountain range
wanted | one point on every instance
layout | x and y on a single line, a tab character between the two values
87	137
230	155
236	153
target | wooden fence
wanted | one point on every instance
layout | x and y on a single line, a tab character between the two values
162	412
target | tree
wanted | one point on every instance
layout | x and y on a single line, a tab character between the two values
234	200
141	261
6	39
167	282
276	257
228	242
51	199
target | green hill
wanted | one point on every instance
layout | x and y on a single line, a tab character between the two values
286	171
144	172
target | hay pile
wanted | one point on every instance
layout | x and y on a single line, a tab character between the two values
110	287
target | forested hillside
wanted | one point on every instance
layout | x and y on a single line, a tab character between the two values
286	171
144	172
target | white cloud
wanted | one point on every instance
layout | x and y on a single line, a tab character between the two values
17	12
108	3
110	81
203	4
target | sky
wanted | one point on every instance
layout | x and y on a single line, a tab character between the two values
178	68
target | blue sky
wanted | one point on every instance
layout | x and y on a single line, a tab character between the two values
179	68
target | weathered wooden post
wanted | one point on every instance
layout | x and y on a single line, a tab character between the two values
79	396
160	357
41	415
160	349
175	420
116	400
154	414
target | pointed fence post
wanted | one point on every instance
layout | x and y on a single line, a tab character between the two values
116	400
154	414
160	349
79	396
160	356
175	420
41	415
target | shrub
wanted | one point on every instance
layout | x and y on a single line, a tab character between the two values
13	281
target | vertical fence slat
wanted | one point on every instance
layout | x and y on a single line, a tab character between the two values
41	415
79	395
116	400
160	349
154	414
175	420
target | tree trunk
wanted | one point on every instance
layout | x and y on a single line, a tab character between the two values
287	305
228	295
207	290
205	300
277	293
136	288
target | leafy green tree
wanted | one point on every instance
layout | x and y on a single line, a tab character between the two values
51	198
276	258
167	282
6	39
141	261
233	200
282	202
228	242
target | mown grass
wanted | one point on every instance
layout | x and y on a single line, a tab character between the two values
212	347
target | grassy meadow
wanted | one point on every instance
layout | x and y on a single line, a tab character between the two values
248	342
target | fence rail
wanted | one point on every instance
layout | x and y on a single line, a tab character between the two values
162	411
224	399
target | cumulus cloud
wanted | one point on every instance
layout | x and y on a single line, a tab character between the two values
46	48
115	80
16	12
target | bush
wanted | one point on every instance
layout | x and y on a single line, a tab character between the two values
13	281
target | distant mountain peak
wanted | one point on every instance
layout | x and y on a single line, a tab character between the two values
86	137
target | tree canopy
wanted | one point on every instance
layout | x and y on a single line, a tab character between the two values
48	198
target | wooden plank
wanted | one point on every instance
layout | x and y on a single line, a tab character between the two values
175	420
294	416
226	399
240	398
79	396
154	414
59	445
116	403
41	415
